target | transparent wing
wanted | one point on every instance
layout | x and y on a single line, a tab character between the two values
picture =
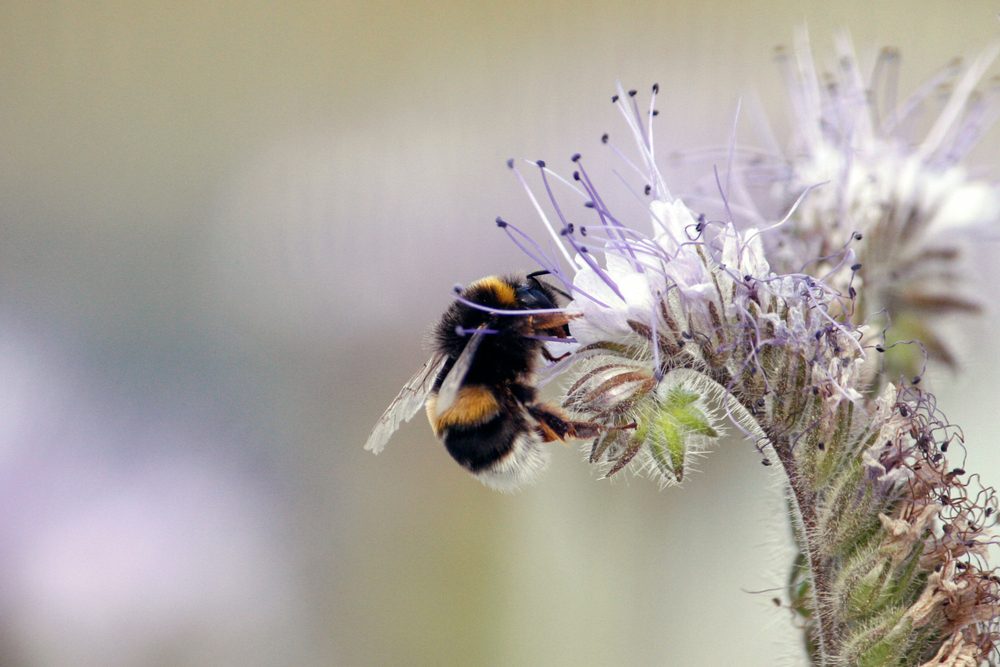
407	403
453	381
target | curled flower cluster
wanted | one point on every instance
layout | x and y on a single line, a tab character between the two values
901	540
685	326
872	165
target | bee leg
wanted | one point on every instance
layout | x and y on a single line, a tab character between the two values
556	426
548	355
584	430
548	435
553	325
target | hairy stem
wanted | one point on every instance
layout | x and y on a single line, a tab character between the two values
801	494
803	503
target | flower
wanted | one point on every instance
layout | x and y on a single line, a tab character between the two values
686	325
887	205
682	324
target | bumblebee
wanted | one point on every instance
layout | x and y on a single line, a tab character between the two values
478	387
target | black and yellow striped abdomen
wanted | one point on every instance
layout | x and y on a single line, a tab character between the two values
480	428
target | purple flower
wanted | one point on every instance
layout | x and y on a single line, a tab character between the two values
889	198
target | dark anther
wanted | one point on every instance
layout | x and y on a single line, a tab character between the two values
656	88
583	250
501	223
766	462
583	230
879	348
576	176
747	278
821	446
776	602
540	163
589	204
958	471
856	267
575	157
687	334
457	289
761	402
604	138
510	163
648	189
937	457
569	228
945	445
656	112
632	93
614	98
989	511
851	292
903	410
916	379
815	391
818	334
858	236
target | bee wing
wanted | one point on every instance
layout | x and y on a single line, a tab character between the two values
407	403
453	381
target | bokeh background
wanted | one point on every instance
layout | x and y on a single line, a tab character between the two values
225	228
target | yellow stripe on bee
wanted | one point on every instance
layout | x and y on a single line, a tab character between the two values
505	294
474	404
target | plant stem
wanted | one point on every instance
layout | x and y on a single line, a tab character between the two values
805	507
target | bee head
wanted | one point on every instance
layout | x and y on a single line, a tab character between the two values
532	293
532	296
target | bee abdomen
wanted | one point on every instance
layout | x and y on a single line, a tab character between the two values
522	464
473	405
478	446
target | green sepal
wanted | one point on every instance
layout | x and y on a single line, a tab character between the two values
669	429
890	650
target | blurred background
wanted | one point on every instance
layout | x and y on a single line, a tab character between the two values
225	228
